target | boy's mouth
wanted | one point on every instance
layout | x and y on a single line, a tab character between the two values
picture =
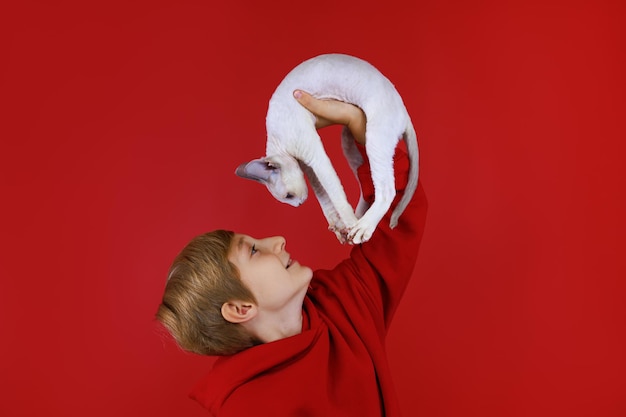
289	262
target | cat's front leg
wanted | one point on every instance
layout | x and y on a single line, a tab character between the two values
338	224
366	225
355	160
380	151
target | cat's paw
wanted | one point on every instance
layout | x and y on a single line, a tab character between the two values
361	233
342	225
341	233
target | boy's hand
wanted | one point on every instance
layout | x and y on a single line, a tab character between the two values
333	112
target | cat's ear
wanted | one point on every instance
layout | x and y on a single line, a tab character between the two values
257	170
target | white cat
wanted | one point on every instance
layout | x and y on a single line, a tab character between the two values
293	144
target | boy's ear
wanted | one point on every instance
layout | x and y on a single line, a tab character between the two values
238	311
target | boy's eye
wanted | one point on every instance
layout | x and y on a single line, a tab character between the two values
253	250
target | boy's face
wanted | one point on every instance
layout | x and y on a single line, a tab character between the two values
268	271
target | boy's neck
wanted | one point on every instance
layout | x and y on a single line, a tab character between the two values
271	326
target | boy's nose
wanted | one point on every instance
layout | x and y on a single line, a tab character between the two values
279	244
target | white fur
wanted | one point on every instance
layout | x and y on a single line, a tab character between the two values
294	146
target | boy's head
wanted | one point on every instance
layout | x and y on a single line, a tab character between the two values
201	280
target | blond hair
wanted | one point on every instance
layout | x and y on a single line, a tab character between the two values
201	279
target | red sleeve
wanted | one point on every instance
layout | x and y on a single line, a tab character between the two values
385	263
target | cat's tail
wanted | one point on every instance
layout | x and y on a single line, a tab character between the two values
410	138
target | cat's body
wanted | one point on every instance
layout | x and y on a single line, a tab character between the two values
293	144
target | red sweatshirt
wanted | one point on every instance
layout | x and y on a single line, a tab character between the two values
337	366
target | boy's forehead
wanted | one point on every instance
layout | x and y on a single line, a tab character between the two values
237	245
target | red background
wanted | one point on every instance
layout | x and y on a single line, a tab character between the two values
122	126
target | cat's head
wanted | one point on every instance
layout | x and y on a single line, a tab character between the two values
282	176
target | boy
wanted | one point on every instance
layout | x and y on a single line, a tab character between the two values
296	342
